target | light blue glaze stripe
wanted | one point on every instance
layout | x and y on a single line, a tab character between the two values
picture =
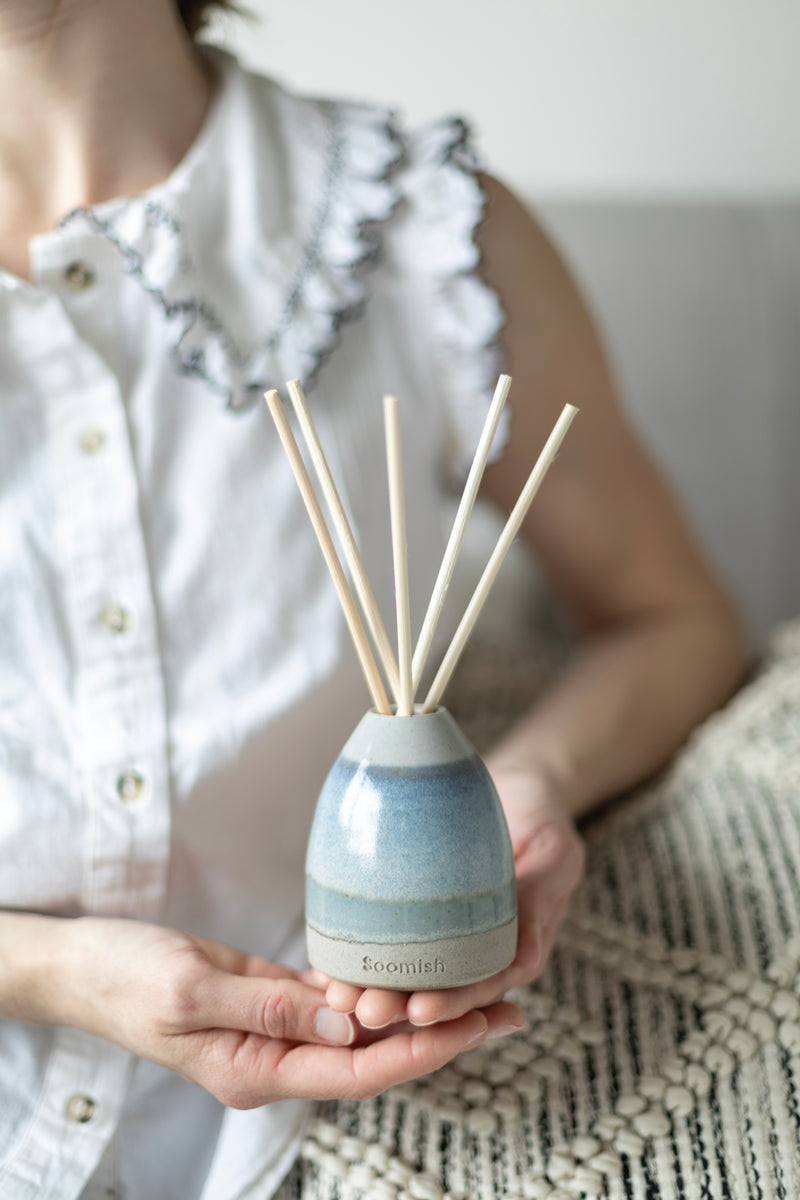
354	918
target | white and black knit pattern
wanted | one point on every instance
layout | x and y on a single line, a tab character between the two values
661	1057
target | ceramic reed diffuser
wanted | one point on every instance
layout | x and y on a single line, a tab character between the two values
410	872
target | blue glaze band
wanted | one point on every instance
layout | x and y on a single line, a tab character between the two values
416	833
337	914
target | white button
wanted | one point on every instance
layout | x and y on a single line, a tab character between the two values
115	618
131	786
80	1108
92	441
78	276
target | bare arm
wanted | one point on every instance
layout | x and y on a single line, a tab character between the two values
662	644
30	966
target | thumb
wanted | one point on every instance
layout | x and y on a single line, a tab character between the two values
285	1009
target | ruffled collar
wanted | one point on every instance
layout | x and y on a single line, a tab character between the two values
253	250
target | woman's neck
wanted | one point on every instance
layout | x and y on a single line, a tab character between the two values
98	98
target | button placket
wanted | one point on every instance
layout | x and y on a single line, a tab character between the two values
120	693
79	1105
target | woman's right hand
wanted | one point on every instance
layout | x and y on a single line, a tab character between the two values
247	1030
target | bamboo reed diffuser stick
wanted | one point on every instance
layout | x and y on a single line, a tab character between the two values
347	542
510	531
357	631
462	516
404	668
397	510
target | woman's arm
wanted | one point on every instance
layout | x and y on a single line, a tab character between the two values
662	644
31	949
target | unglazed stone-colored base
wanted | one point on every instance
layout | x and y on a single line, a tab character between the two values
415	966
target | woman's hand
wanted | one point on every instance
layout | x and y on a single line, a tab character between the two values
549	858
243	1028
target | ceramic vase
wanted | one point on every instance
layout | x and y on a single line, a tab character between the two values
410	871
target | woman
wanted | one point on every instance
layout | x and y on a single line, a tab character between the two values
175	236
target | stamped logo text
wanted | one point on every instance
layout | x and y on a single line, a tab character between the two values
422	966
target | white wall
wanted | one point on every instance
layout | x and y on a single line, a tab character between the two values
573	98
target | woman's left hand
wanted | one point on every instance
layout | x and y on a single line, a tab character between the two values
549	857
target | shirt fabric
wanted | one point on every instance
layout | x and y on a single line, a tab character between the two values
176	675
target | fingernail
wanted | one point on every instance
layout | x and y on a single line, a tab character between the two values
479	1036
503	1031
536	936
334	1027
382	1025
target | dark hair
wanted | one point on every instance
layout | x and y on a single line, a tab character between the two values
195	13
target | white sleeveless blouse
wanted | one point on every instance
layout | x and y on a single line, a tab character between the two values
176	675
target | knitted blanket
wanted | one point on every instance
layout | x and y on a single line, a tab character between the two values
661	1057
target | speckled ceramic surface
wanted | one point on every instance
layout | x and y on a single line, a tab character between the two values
410	872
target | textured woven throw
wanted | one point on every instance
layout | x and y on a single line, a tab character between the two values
661	1056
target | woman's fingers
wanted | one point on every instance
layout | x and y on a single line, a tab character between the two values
369	1070
378	1008
314	977
425	1008
248	1070
374	1008
343	997
282	1009
238	962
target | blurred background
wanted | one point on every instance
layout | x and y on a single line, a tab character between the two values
659	143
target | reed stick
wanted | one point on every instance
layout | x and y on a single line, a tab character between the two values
347	541
466	504
397	512
509	532
357	631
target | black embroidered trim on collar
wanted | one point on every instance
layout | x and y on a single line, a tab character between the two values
239	379
362	185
